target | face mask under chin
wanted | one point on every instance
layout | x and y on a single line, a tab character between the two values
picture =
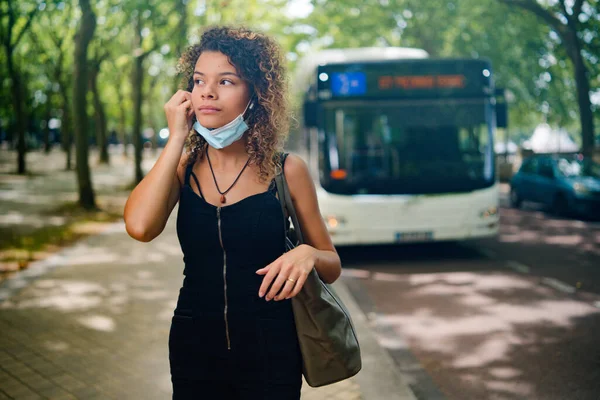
225	135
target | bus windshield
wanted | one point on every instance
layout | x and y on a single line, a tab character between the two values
407	149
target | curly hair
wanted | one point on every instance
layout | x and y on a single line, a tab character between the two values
259	62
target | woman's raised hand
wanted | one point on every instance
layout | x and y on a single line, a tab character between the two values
179	111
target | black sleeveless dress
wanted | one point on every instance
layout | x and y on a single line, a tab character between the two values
225	342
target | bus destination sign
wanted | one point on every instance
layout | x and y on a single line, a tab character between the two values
406	79
421	82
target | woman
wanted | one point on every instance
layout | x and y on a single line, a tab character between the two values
232	333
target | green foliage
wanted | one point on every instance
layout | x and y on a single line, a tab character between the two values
527	55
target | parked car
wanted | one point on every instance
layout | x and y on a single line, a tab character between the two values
567	184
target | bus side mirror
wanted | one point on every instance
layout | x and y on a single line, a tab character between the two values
310	114
501	109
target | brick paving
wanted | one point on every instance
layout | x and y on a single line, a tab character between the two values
92	321
94	324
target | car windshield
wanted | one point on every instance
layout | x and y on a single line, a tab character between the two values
578	168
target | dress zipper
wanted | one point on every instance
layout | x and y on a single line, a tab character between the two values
224	278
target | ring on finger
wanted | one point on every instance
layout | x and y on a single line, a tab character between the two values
291	280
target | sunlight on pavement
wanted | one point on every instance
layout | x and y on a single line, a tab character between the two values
569	240
446	335
516	388
505	372
521	236
61	295
546	230
17	218
92	256
56	345
98	322
477	321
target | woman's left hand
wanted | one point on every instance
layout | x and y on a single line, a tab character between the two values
288	273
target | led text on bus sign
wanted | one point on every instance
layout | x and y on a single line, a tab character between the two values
422	82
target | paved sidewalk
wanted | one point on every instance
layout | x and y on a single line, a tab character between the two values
92	322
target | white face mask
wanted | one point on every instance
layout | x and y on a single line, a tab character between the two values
227	134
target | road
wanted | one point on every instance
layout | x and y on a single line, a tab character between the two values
514	317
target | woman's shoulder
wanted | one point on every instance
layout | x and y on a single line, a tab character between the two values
294	166
296	174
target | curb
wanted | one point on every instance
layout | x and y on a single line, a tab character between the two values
379	378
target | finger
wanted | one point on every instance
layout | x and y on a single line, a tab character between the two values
288	286
187	105
178	97
298	286
264	270
267	281
190	112
182	96
277	285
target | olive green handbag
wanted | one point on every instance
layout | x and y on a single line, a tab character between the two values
328	342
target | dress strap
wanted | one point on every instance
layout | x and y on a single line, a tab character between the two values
272	187
188	172
197	184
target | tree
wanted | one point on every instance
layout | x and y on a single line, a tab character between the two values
100	114
570	23
84	35
149	19
527	56
51	37
10	36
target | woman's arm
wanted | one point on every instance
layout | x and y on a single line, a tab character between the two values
151	202
289	272
304	196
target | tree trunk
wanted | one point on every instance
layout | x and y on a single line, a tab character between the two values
48	115
101	130
66	133
122	120
151	119
582	80
181	38
137	87
19	109
66	127
80	84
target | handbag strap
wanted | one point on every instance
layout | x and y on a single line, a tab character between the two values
283	192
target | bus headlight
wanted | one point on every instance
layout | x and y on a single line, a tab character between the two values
488	212
334	221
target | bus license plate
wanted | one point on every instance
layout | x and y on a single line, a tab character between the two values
414	236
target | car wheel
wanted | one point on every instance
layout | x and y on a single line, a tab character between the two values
560	206
515	199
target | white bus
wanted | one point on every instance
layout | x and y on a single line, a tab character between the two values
401	146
